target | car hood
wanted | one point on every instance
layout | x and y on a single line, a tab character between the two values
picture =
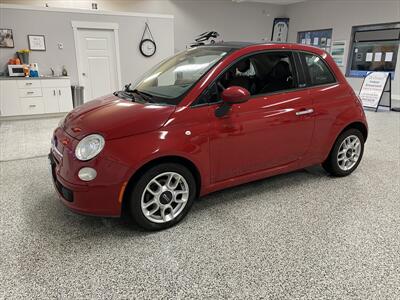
113	117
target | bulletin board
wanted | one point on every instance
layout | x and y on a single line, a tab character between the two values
321	38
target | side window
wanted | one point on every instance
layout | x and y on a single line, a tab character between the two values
262	73
318	72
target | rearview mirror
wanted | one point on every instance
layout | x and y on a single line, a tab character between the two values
232	95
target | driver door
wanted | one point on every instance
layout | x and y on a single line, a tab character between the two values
268	131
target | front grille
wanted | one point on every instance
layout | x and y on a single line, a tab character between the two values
65	192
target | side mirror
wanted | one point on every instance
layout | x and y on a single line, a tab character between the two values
232	95
235	95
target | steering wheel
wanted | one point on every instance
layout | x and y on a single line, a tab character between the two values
219	84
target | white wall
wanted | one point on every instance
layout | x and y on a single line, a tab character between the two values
57	27
249	21
234	21
341	16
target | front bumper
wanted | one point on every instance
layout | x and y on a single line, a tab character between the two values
96	201
101	197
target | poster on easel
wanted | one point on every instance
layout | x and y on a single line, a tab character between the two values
373	88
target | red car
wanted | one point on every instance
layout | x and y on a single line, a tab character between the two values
208	118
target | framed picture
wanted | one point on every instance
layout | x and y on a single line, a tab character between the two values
6	38
37	43
280	30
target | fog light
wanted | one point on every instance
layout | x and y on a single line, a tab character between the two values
87	174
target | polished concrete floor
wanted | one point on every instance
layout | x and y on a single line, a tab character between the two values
300	235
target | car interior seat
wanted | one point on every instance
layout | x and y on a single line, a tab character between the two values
280	78
244	81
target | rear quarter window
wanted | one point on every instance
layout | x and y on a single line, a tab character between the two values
317	71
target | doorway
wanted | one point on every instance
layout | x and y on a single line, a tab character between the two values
97	55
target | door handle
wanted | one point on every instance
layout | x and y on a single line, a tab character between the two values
54	92
304	112
59	92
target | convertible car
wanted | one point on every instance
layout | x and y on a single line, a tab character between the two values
206	119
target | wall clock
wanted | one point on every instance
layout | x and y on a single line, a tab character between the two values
147	46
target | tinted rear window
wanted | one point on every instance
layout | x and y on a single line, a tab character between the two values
318	71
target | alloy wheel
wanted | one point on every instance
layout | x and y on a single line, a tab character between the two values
165	197
349	152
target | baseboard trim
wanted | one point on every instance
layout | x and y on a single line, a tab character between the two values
30	117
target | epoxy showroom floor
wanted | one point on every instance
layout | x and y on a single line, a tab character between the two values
301	235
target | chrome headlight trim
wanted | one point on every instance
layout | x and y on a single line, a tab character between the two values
89	147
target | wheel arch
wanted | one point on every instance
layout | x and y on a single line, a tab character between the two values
359	126
164	159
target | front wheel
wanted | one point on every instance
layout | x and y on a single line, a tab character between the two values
162	196
346	153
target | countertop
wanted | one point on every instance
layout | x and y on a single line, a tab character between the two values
33	78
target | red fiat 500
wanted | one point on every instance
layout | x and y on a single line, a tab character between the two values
206	119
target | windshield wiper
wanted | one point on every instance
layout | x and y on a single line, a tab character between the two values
126	95
145	96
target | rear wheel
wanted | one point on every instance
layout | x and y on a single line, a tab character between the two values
346	153
162	196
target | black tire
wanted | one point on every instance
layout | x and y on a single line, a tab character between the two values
331	164
135	197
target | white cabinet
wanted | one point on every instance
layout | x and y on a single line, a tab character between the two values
28	83
9	98
34	96
50	100
57	99
37	92
64	99
31	106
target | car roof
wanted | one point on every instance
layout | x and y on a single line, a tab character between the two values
266	45
233	45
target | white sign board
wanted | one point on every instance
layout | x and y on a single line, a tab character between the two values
337	52
372	89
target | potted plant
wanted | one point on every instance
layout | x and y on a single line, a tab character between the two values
23	56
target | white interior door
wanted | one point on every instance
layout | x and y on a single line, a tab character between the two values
97	61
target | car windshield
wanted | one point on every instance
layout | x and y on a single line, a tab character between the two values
171	79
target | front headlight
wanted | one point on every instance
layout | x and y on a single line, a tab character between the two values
89	147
